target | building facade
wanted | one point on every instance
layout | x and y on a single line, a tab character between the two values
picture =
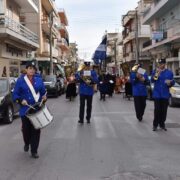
18	37
163	16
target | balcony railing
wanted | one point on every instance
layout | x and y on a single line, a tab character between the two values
16	27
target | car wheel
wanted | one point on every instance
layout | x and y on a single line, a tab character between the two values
9	115
171	103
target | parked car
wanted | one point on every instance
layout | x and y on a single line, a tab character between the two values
53	85
175	92
7	107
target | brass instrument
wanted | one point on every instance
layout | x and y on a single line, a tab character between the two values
81	67
156	76
135	67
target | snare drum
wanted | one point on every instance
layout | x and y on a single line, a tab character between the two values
40	118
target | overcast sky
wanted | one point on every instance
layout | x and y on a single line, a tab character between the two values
88	20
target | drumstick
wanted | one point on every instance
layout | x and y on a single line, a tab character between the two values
42	100
31	106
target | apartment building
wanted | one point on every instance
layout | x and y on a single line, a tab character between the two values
64	41
135	34
114	52
48	25
18	33
163	16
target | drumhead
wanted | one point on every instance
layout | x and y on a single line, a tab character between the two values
36	109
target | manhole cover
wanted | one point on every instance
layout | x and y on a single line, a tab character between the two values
172	125
132	176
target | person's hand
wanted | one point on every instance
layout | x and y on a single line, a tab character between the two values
44	98
142	79
24	102
168	82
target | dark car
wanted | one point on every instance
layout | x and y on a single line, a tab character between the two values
7	107
53	85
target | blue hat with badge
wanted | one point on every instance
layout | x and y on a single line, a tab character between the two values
31	64
162	61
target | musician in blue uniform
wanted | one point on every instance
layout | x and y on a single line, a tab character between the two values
24	95
139	80
163	80
86	77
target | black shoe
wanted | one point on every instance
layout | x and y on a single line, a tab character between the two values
88	122
26	148
154	128
140	119
163	128
80	122
35	155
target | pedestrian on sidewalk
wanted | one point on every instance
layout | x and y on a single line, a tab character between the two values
163	80
87	78
139	81
23	94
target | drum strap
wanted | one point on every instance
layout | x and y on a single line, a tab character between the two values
35	95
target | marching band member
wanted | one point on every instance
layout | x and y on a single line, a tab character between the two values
139	80
29	90
86	77
163	80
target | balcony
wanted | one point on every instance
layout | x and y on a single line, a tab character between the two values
63	31
130	37
46	27
48	5
158	10
28	5
63	44
46	50
14	30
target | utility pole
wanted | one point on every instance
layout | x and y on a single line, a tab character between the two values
50	42
115	54
136	37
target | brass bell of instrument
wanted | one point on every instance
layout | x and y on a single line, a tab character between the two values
81	67
156	76
135	67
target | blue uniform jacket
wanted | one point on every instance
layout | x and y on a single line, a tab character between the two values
22	91
161	89
84	89
139	88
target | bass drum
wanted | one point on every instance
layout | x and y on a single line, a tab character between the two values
40	117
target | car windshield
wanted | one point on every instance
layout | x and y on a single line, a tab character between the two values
3	85
177	80
50	78
176	84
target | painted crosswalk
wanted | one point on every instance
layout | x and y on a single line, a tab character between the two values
103	127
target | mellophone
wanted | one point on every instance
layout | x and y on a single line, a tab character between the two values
39	115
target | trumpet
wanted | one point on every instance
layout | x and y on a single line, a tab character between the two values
156	76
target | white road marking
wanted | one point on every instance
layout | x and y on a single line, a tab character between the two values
68	129
104	128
